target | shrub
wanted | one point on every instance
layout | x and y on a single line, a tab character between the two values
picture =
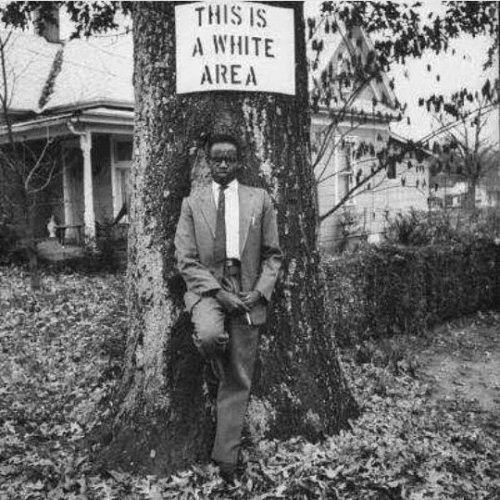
9	242
420	228
395	289
108	251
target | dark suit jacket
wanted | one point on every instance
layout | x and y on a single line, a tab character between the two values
260	253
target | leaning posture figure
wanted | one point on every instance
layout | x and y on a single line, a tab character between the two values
228	253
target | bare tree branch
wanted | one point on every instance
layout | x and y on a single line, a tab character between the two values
350	192
48	180
36	166
5	96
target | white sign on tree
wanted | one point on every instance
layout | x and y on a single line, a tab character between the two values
241	46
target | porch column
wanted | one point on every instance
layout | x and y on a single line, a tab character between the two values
67	200
88	191
66	190
337	164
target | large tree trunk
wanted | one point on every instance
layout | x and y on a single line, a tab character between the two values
166	417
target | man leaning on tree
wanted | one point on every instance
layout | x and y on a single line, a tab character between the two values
228	253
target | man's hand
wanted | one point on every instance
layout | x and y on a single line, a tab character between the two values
230	301
250	299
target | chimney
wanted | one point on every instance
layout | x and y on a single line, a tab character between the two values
46	22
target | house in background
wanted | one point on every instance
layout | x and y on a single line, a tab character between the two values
347	159
488	190
451	190
80	92
448	191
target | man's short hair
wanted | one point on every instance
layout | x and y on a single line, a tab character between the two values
216	138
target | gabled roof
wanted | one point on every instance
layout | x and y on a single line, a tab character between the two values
397	138
49	77
336	48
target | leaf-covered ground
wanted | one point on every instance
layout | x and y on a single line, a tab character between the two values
421	434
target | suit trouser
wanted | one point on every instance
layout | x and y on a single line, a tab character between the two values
234	355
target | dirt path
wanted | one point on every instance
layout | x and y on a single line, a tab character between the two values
463	362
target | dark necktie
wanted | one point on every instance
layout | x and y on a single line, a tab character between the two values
220	228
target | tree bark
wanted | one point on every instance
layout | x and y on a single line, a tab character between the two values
165	419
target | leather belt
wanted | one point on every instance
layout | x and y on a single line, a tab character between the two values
232	267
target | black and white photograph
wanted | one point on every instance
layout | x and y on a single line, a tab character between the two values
249	250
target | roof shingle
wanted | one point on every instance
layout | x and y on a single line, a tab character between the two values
93	71
28	61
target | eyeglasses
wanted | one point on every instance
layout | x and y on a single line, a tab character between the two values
227	159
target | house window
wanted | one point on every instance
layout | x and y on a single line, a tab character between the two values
344	167
122	148
344	76
344	183
122	188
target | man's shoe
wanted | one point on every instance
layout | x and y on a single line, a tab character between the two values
228	471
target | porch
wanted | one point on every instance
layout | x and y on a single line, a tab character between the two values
87	197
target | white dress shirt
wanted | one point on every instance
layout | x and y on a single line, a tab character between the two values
232	213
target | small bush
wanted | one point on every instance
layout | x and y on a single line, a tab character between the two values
107	252
419	228
394	289
9	242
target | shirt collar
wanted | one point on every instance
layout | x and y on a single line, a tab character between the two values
233	185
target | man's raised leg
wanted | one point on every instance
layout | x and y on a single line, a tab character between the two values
210	336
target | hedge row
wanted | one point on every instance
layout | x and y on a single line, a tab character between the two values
387	290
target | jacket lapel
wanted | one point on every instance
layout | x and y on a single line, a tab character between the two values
207	207
247	213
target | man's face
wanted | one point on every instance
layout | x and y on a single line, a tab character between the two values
223	160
